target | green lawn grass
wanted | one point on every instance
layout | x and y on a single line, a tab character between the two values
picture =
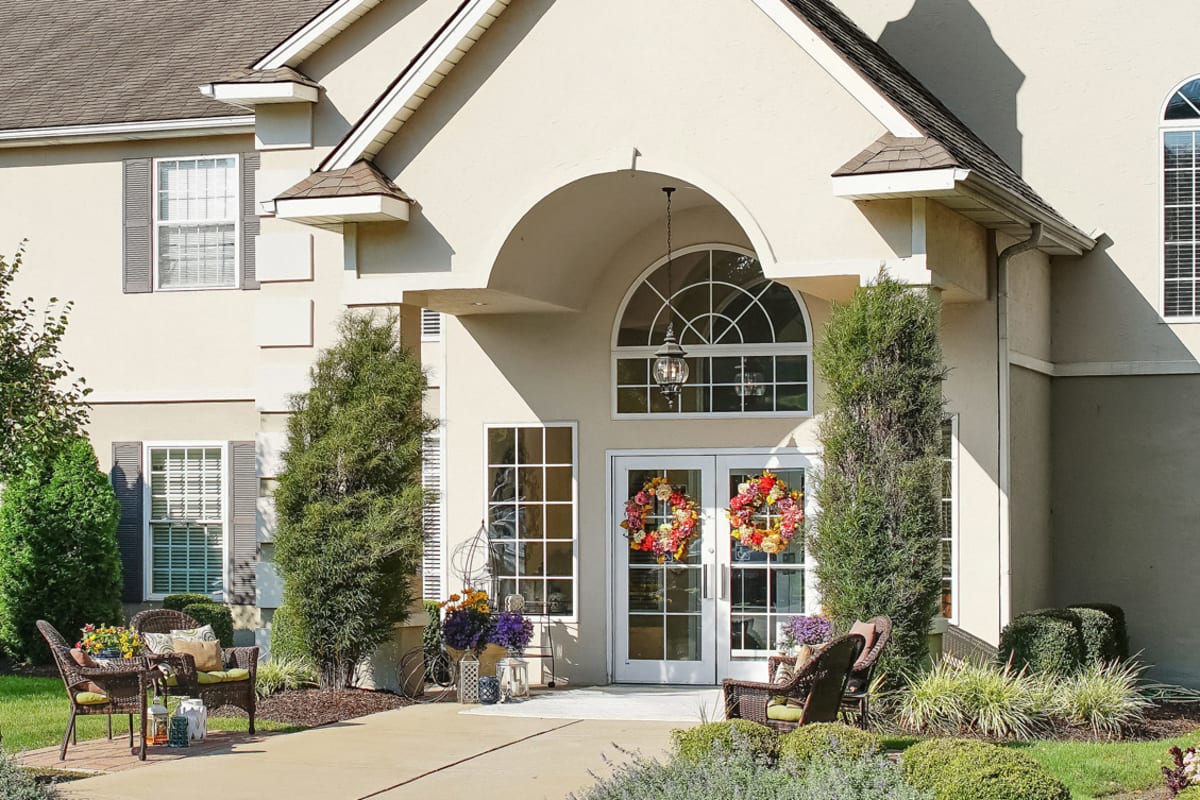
34	711
1093	769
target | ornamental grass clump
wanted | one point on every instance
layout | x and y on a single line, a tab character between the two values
983	699
283	674
1104	697
877	541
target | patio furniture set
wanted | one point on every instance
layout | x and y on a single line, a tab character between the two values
120	686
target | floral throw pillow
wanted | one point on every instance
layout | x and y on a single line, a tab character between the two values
202	634
158	643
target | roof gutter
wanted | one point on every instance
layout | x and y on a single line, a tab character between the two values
125	131
1000	198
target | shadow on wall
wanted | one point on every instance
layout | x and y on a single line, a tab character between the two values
949	47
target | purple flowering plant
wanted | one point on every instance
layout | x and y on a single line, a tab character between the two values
511	630
466	629
812	630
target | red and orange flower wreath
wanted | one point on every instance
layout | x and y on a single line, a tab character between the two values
765	494
673	536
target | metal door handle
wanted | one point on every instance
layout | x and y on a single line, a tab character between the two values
724	584
704	582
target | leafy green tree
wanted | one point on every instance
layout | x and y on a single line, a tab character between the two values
876	541
58	551
41	405
349	499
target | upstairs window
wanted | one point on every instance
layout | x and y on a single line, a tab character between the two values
1181	202
747	338
196	223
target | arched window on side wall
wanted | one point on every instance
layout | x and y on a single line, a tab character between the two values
748	339
1181	202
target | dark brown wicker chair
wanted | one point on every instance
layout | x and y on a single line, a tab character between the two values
237	693
124	684
857	697
818	685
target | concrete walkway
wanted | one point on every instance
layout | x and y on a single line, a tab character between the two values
428	752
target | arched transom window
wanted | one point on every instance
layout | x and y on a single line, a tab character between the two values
747	339
1181	202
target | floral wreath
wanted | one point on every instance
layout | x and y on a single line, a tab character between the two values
758	496
672	537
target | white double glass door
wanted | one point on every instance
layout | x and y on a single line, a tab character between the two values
715	613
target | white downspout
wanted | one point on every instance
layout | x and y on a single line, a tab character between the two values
1005	424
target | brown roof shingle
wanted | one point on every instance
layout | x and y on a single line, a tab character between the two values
79	62
276	75
359	178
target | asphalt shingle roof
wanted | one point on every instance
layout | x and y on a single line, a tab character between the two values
361	177
964	148
276	75
79	62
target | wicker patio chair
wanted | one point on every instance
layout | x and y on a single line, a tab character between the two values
187	683
123	687
817	687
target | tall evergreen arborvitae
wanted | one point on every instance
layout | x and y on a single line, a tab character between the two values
877	539
349	500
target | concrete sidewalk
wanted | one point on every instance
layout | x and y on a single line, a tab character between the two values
428	751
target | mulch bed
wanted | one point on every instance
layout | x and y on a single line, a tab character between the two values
1168	720
313	707
8	667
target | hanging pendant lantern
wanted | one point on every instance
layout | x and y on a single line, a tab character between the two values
670	367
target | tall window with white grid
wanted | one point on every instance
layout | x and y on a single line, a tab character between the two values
1181	202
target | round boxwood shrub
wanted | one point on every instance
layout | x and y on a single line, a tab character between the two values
215	614
963	769
1120	631
1099	631
178	602
695	744
1044	641
801	746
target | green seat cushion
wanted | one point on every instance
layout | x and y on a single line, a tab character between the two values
90	698
225	676
778	709
172	680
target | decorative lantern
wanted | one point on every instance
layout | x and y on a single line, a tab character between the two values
178	737
159	721
468	679
513	674
750	383
670	369
489	690
197	717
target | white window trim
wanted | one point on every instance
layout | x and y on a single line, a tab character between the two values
628	351
573	617
237	225
226	516
955	505
1166	126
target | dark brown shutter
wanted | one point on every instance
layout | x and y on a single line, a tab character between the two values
126	476
243	540
250	224
136	270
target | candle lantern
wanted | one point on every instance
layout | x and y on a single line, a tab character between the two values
514	677
159	721
468	679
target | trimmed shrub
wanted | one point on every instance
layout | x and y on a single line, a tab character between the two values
695	744
961	769
178	602
877	541
287	637
58	552
1050	640
811	742
1120	631
19	784
215	614
350	501
1099	632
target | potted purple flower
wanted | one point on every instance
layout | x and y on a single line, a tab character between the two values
804	631
511	630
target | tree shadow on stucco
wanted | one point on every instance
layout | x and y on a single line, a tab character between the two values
949	47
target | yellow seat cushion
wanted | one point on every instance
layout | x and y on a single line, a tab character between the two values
172	680
90	698
225	676
778	709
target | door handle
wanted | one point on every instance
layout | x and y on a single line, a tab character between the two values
704	582
724	585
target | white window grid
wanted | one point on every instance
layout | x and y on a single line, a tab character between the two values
949	517
781	358
1179	208
208	511
200	225
501	512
